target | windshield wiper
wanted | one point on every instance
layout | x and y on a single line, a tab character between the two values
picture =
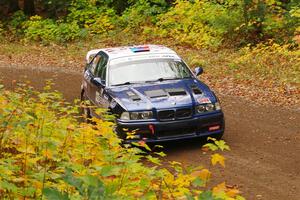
126	83
164	79
150	81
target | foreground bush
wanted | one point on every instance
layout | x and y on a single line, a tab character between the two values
45	151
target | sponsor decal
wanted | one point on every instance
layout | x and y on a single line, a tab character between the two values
203	100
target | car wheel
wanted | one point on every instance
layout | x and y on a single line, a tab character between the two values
85	110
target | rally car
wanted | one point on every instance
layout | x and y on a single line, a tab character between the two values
152	92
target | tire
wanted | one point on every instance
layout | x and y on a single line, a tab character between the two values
85	111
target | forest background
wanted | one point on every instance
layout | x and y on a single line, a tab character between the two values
238	42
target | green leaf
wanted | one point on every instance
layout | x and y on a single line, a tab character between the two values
153	160
106	170
189	197
161	154
238	197
159	146
8	186
206	195
95	187
144	182
76	182
54	194
222	145
198	182
211	138
211	146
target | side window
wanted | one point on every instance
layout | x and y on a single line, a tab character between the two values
94	64
102	67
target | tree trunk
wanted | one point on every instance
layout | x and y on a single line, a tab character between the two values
29	8
13	6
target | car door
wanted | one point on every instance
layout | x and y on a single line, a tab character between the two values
98	83
89	76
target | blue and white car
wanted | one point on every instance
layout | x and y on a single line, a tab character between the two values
152	92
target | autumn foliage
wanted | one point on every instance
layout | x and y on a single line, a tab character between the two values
45	151
198	23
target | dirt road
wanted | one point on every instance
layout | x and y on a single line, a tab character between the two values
264	160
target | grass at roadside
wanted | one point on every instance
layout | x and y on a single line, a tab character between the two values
266	73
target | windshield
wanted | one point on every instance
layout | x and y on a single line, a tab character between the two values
147	70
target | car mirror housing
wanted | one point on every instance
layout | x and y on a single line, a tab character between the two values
198	71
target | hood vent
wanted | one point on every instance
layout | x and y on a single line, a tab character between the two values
164	93
156	93
176	91
196	90
133	96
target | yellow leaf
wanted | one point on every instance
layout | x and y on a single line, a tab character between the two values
203	174
33	160
217	158
175	163
18	180
29	149
232	192
47	153
219	188
130	137
38	185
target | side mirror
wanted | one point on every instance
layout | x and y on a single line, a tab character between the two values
97	81
198	71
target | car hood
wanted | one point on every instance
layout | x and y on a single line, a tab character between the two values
162	95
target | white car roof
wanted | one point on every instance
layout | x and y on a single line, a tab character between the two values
142	51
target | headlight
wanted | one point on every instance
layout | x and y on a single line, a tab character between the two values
208	107
141	115
136	115
200	109
217	106
125	116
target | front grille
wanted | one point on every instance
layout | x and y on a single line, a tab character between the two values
181	113
166	115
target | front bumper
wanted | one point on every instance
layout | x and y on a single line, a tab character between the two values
210	124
